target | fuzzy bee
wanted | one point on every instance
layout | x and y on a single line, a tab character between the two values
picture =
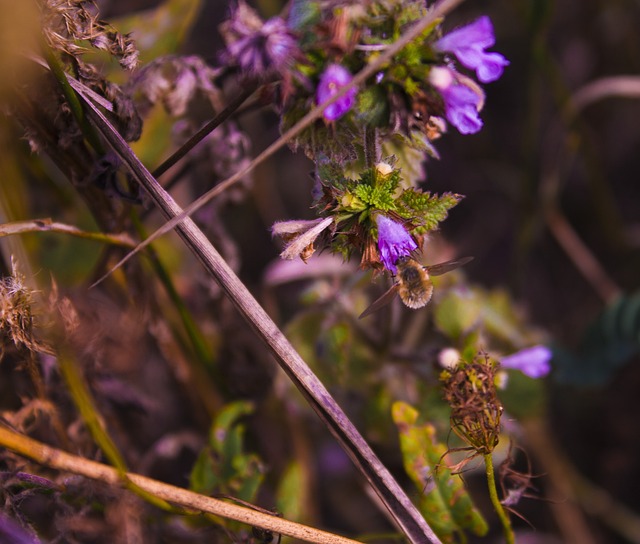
413	283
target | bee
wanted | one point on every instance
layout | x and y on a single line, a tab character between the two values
413	284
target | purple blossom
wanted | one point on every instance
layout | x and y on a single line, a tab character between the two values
468	44
393	242
258	47
461	103
331	81
534	362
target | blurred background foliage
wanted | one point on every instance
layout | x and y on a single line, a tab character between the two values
190	396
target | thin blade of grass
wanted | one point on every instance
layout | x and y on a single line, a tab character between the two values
47	225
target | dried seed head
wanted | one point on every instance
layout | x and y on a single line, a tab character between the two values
470	390
16	317
66	23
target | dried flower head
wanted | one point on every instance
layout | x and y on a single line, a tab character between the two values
300	236
470	391
66	23
16	317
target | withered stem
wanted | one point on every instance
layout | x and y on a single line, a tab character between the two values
196	503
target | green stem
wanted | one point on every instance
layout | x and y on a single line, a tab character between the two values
497	505
370	138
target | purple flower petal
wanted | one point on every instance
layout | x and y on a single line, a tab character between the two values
461	103
393	242
468	44
534	362
462	109
332	80
259	48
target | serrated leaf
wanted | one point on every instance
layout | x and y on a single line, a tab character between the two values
379	196
424	209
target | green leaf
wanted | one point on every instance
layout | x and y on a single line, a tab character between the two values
223	466
424	209
447	506
224	422
291	499
203	477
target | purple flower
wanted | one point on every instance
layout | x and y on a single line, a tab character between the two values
331	81
461	102
534	362
468	44
393	242
258	47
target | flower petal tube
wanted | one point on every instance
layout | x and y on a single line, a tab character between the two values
393	242
461	103
533	362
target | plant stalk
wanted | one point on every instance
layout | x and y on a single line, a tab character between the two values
495	500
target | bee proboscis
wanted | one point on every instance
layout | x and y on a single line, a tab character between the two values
413	283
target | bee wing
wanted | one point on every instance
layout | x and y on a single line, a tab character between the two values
381	302
447	266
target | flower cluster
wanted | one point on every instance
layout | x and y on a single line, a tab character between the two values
381	213
463	99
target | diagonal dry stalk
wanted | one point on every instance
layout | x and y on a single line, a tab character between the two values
47	225
391	494
60	460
